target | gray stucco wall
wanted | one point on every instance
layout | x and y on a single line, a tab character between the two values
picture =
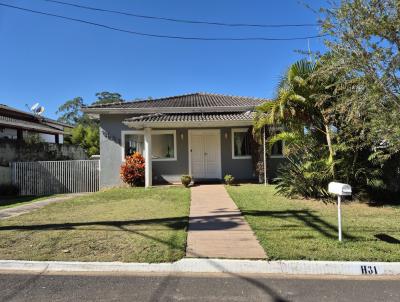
110	149
170	171
241	169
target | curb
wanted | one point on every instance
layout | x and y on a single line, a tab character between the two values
195	265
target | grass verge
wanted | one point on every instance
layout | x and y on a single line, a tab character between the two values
129	225
307	229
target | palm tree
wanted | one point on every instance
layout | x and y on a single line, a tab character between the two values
300	107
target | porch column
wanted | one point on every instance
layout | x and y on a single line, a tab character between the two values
148	177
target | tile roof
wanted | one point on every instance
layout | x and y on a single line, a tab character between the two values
6	121
194	100
191	117
19	114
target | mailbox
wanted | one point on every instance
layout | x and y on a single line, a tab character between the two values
340	189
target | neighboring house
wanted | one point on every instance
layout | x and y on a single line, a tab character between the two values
203	135
17	125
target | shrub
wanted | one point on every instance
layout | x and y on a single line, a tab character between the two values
305	178
229	179
132	171
186	180
8	190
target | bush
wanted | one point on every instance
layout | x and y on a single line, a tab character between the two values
229	179
304	178
132	171
8	190
186	180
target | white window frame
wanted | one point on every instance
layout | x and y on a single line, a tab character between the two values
233	130
127	132
173	132
153	132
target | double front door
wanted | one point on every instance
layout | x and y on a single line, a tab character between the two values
205	153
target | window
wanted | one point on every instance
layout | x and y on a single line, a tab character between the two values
163	145
133	142
6	133
277	149
241	143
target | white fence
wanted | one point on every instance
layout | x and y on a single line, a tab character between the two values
55	177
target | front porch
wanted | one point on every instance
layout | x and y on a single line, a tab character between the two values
202	153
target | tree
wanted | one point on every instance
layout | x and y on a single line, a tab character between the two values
364	45
300	104
71	111
86	130
86	137
301	108
106	97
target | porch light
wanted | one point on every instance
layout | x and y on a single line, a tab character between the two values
181	136
226	135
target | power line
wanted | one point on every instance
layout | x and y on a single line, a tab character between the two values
158	35
181	20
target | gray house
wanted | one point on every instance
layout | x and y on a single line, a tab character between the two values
200	134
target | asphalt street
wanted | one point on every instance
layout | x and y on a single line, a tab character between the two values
193	287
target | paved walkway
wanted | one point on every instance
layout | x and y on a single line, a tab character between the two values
26	208
217	228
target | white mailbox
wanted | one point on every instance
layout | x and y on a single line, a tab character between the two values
340	189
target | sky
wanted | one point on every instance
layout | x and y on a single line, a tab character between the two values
50	61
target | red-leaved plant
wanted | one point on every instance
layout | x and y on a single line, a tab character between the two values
132	170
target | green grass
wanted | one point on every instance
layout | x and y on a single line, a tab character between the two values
307	229
130	225
14	201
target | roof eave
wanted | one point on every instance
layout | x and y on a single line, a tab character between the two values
191	124
168	110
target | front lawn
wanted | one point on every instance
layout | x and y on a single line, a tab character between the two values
307	229
130	225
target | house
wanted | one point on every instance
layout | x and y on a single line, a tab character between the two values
17	125
200	134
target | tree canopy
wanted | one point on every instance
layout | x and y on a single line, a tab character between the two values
86	130
341	111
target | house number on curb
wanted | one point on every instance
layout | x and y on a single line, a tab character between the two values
369	270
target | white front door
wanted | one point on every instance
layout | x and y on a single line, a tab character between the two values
205	153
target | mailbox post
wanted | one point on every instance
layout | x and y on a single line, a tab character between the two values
340	190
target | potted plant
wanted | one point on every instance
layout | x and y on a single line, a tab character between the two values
186	180
229	179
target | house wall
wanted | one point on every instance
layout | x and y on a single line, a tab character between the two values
110	149
169	171
240	168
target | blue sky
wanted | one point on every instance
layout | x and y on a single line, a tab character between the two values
47	60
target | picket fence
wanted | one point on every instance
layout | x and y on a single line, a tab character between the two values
56	177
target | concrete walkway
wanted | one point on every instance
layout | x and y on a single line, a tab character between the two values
26	208
217	228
